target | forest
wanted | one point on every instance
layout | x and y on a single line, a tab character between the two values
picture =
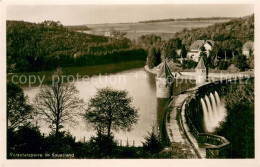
241	29
48	45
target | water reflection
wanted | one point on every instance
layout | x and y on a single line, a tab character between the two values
141	87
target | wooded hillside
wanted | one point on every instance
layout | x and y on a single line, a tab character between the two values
45	46
241	29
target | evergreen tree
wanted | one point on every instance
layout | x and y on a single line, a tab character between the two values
183	51
152	142
204	56
154	57
240	62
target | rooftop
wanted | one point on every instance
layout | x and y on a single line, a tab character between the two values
198	43
201	64
248	45
164	71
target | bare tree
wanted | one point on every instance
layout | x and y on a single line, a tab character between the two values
58	104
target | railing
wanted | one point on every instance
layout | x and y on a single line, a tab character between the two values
194	131
216	146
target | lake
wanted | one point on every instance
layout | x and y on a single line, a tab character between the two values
141	87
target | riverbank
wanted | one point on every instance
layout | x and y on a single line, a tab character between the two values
73	72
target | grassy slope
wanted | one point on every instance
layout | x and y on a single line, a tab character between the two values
164	29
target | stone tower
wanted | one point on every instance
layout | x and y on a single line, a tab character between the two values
164	81
200	72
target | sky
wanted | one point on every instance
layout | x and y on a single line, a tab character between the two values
95	14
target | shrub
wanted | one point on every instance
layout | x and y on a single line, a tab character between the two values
152	142
26	139
223	65
240	62
188	64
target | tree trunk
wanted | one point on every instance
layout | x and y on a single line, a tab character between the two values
109	123
225	55
109	131
207	73
233	54
58	113
57	127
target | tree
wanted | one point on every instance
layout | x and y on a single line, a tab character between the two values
18	111
240	62
27	139
152	142
169	51
111	110
146	41
175	42
188	64
223	65
154	57
235	46
183	51
58	103
250	61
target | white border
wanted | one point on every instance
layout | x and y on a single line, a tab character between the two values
121	162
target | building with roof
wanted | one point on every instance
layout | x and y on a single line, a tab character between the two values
195	49
200	72
164	81
248	49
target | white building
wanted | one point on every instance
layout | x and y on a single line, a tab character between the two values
195	49
247	48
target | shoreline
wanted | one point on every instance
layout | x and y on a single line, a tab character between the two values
82	71
151	71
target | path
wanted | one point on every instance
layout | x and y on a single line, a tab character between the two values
174	131
194	142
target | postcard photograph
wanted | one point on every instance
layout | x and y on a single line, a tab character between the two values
161	81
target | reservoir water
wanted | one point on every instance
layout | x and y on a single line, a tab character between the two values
141	87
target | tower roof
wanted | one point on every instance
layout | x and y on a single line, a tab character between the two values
164	71
201	64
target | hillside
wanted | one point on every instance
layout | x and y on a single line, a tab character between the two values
45	46
241	29
163	29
